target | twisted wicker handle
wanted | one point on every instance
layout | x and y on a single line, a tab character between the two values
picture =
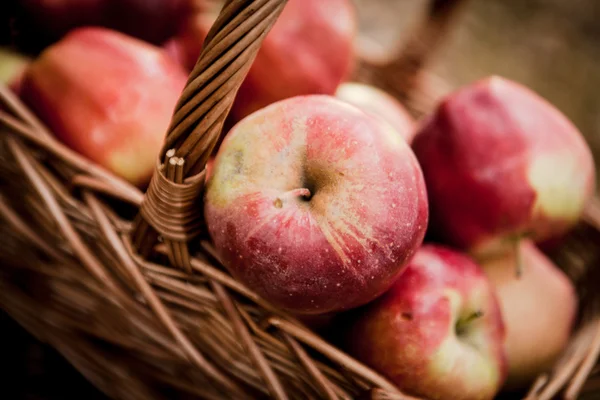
171	206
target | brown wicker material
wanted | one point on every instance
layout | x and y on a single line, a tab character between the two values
127	287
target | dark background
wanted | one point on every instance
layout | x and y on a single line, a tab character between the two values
34	371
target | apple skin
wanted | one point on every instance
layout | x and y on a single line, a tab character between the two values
378	103
345	244
153	21
306	52
410	333
108	96
539	311
501	163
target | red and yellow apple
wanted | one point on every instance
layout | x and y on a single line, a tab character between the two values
437	332
108	96
315	205
378	103
538	308
309	50
501	163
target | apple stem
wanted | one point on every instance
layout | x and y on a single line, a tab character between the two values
299	192
462	324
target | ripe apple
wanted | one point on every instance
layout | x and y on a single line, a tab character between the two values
501	163
379	103
309	50
538	309
437	332
315	205
108	96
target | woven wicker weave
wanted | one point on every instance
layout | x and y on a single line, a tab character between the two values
127	287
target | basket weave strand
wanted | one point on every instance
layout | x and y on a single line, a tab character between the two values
140	312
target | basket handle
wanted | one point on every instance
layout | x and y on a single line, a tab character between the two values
171	208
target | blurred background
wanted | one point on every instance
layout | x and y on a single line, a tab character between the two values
552	46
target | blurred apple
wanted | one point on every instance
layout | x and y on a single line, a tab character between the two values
315	205
108	96
501	164
309	50
538	309
46	21
379	103
438	332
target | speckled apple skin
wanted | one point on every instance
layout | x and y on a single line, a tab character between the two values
343	247
501	163
408	334
108	96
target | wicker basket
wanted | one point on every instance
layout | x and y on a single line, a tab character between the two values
126	285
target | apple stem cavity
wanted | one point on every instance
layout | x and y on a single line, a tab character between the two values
461	325
299	192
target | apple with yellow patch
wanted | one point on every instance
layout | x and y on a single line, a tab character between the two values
502	163
315	205
379	103
438	332
108	96
539	309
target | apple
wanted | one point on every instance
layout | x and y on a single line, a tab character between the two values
538	309
314	204
108	96
501	163
379	103
12	67
437	332
42	22
309	50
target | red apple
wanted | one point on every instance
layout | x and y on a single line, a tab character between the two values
538	309
315	205
151	20
380	104
186	45
108	96
501	163
309	50
438	331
